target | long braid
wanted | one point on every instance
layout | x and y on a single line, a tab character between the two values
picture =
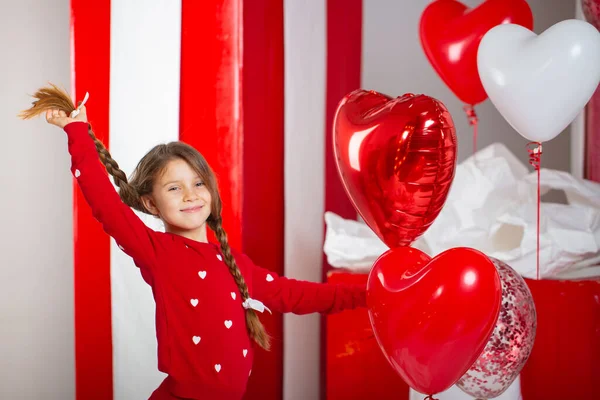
255	327
127	192
55	98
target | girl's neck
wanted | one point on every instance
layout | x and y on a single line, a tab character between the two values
198	235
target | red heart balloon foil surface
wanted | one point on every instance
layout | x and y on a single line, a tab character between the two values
450	34
433	317
396	158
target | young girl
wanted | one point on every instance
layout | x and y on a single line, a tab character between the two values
206	295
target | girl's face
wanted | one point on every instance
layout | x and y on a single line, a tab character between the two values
180	198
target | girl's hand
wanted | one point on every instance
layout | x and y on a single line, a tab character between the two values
60	118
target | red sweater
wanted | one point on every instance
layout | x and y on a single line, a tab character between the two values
203	344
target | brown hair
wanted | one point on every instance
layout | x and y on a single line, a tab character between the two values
141	183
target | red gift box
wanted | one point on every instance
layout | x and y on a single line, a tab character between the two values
565	359
356	367
564	363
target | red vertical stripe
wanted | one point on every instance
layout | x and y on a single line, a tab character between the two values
90	29
231	110
592	138
263	171
344	52
565	359
211	102
344	55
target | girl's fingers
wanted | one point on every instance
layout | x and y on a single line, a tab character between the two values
82	114
57	117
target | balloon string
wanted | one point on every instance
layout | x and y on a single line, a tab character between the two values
430	397
535	159
473	120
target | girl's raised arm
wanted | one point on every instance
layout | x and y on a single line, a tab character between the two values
117	218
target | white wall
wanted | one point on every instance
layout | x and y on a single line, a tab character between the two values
36	264
394	63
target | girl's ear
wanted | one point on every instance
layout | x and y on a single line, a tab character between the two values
149	205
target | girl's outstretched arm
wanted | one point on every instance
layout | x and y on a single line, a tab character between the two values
302	297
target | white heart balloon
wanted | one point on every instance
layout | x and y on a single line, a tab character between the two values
540	83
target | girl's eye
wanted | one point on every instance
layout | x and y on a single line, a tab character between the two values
173	188
200	184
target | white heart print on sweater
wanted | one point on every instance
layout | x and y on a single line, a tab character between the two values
228	324
245	352
202	274
194	302
196	339
269	278
233	295
218	367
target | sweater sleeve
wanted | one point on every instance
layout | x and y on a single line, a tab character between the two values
118	220
303	297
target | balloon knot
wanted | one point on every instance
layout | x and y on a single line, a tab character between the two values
471	114
535	154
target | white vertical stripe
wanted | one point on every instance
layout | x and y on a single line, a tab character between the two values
305	47
144	111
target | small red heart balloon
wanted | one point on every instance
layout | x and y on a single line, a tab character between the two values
433	317
591	11
450	35
396	158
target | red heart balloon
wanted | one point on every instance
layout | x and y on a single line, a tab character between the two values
591	11
450	34
433	317
396	159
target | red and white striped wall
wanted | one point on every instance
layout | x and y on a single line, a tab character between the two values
253	86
